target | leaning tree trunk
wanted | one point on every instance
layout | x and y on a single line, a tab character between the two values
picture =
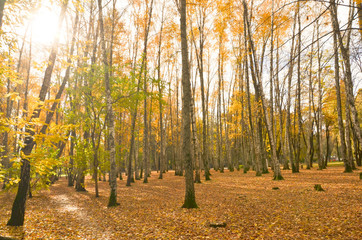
347	167
18	209
259	87
255	132
347	63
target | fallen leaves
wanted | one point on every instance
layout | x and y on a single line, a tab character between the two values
247	205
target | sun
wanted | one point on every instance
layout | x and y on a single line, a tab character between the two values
44	26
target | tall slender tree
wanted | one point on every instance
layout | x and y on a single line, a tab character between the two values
110	115
259	87
190	200
2	6
145	118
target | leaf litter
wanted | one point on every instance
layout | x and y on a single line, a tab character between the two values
247	204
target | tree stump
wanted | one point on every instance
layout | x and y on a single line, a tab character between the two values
318	188
7	238
275	188
360	175
218	224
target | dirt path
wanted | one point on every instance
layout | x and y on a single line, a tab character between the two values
68	202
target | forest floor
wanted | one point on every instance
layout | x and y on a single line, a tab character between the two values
247	204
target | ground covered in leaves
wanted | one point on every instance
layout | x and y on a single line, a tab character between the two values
248	205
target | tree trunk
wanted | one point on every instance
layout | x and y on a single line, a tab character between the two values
2	6
194	139
271	83
299	93
110	115
288	145
279	100
18	209
160	88
346	60
136	156
347	167
145	118
5	153
349	153
326	159
310	146
71	160
259	87
200	67
219	113
190	201
319	109
359	9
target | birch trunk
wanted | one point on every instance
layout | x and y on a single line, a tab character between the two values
110	116
259	87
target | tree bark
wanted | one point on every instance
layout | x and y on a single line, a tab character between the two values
299	93
359	9
271	83
347	167
319	109
288	145
259	86
190	201
200	66
221	158
18	209
110	116
255	131
145	118
346	60
2	6
310	146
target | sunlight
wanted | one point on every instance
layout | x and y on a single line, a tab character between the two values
44	26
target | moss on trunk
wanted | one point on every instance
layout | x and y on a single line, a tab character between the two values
113	200
278	177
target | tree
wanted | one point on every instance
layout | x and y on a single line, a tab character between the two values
18	209
259	87
347	63
2	6
201	20
190	201
341	128
110	116
145	118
